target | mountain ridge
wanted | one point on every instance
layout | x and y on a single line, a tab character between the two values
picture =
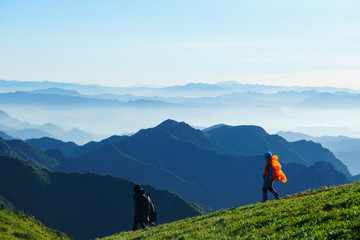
344	148
180	155
74	203
249	140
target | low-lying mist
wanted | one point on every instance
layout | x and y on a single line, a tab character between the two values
102	122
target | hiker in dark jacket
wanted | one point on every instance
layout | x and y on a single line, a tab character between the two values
142	207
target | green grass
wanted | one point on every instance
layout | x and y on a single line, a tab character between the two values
326	213
17	225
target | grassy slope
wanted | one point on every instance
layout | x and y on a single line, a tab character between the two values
327	213
16	225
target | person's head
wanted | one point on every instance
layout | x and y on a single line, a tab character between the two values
268	155
137	188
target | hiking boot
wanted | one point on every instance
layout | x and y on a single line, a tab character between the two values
150	224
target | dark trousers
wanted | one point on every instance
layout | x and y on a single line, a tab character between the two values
138	220
268	185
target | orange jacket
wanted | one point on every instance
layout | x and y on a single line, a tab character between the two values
273	165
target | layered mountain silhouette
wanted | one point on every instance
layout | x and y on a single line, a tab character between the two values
13	128
22	150
183	90
252	140
84	206
6	119
110	160
344	148
62	95
221	167
39	98
332	100
70	148
3	135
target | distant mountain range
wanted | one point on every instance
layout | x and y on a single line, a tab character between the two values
84	206
250	140
118	109
344	148
332	100
194	164
220	167
178	96
188	90
13	128
22	150
3	135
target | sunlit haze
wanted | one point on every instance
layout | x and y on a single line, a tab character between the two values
162	43
172	43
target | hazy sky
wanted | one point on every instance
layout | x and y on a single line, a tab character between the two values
168	42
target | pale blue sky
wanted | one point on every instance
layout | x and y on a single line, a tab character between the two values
168	42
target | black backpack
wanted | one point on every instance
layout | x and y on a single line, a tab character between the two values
153	212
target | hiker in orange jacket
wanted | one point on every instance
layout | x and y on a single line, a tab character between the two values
272	173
